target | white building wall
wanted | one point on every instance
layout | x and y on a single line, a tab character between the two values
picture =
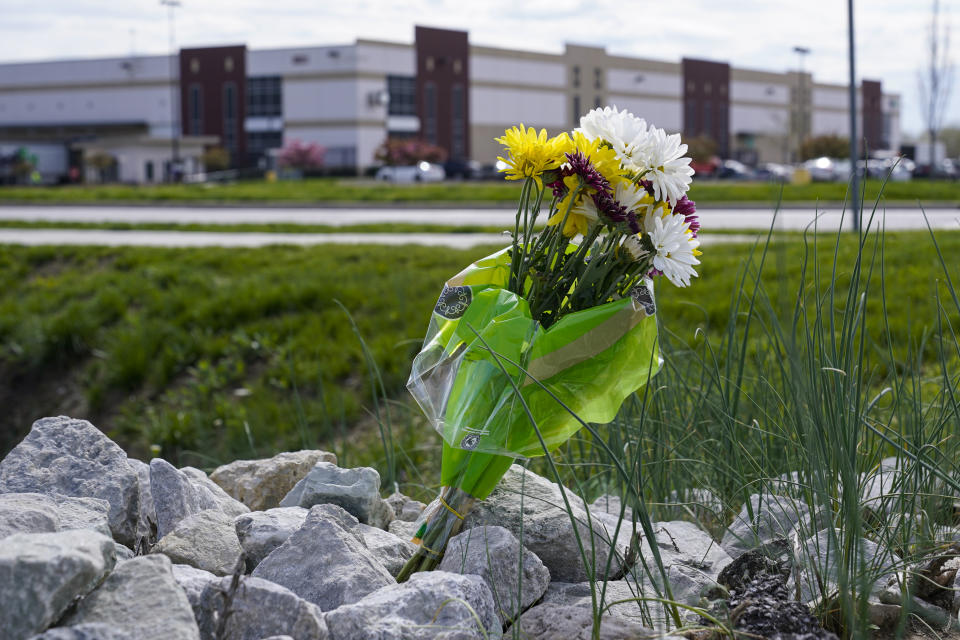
73	72
386	59
766	92
301	61
150	104
368	91
832	123
316	99
496	106
664	113
772	120
531	73
835	98
650	82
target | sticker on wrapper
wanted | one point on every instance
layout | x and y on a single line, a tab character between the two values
470	442
453	302
643	296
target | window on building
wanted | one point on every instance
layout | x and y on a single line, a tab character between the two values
260	142
690	118
708	119
576	76
403	95
264	97
430	112
458	146
597	102
230	117
195	109
576	110
598	78
148	171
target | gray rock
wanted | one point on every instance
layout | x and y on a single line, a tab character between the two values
955	605
431	605
816	562
193	581
391	551
83	513
494	554
27	513
547	527
769	518
92	631
262	484
611	505
325	561
403	529
141	598
147	519
257	609
260	532
42	573
225	503
356	490
123	552
174	496
703	503
404	507
205	540
548	621
73	458
579	595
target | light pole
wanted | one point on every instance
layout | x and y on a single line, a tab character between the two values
174	86
801	52
854	174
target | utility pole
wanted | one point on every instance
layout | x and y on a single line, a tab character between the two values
801	52
854	146
174	91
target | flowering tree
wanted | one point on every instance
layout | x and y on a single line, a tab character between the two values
407	152
303	156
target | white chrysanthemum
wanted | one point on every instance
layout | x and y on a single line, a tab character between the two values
634	247
674	246
669	171
630	195
626	134
586	208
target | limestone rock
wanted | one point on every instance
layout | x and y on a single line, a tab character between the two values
547	621
205	540
141	598
42	573
92	631
257	609
403	529
325	561
405	508
83	513
817	559
494	554
193	581
262	484
357	491
409	611
224	501
147	520
174	496
27	513
770	517
579	595
260	532
547	527
73	458
391	551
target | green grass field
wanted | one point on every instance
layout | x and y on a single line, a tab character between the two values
352	191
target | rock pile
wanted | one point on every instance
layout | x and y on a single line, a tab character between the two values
98	546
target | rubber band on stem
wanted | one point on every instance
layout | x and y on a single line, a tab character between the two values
450	509
432	552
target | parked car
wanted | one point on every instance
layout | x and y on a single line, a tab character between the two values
775	172
421	172
735	170
821	169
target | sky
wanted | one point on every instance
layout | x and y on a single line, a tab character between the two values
756	34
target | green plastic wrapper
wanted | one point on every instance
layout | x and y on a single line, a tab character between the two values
589	360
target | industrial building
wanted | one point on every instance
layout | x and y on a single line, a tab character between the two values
142	110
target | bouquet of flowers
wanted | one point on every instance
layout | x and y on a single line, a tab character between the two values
559	327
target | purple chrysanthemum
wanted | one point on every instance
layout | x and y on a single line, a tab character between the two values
688	208
580	165
647	185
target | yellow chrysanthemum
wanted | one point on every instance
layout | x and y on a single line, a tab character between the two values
529	154
583	214
602	157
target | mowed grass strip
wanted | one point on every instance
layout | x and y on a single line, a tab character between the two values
215	354
345	191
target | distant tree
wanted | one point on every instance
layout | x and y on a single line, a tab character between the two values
409	151
215	159
302	156
830	146
950	136
24	164
701	148
104	163
936	78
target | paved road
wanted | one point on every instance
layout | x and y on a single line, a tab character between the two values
715	218
250	239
